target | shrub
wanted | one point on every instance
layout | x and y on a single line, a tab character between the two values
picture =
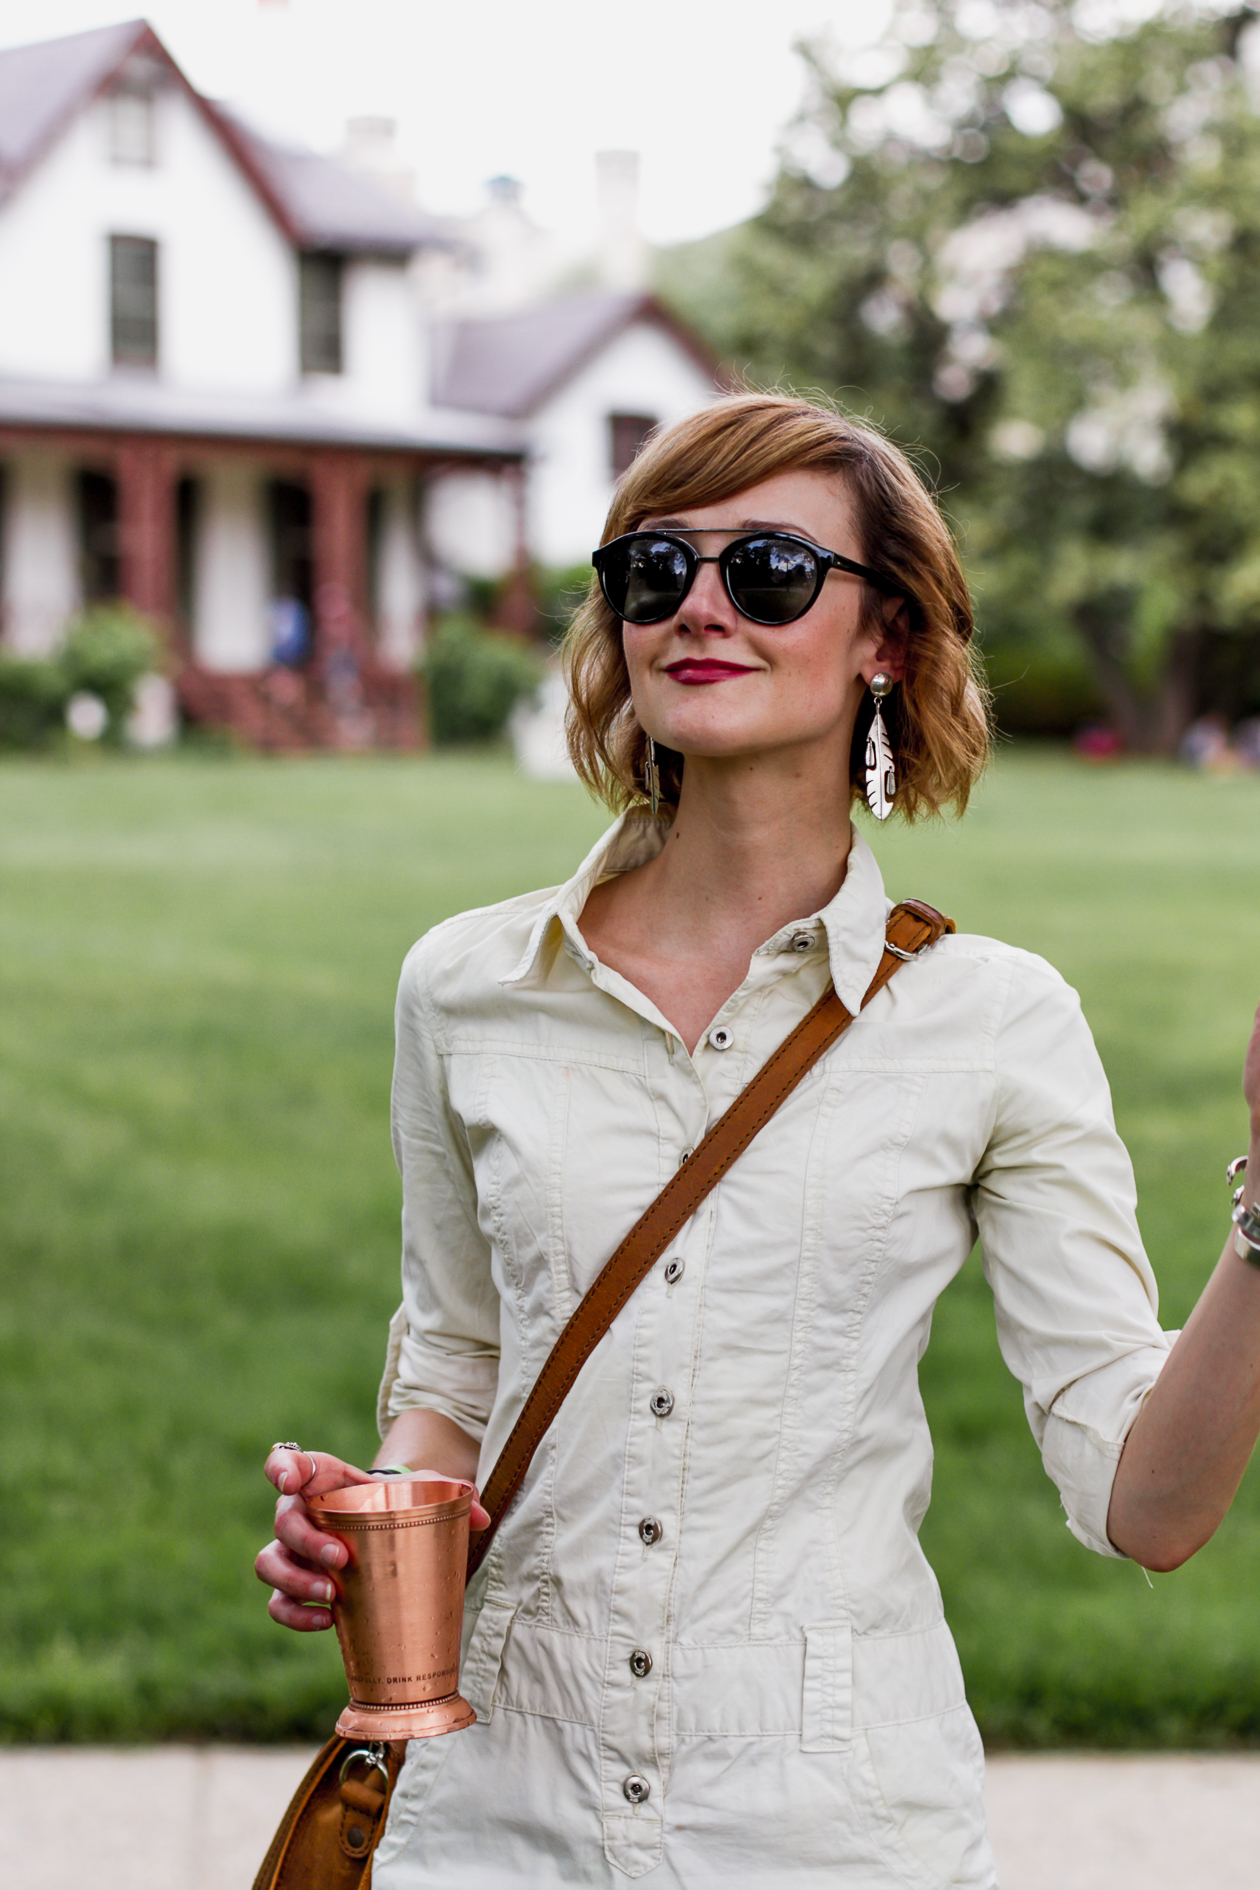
561	590
474	679
106	652
33	697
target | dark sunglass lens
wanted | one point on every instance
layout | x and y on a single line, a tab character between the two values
647	579
772	580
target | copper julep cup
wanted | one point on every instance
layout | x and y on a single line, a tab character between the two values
400	1603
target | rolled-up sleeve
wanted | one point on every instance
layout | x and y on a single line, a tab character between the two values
1055	1203
444	1339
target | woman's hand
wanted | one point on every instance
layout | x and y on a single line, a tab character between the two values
296	1566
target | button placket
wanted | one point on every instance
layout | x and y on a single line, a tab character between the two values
634	1729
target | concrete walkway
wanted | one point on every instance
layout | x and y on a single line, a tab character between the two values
200	1818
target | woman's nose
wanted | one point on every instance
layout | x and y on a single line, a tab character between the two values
706	605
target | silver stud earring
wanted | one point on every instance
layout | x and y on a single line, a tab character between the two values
881	774
653	774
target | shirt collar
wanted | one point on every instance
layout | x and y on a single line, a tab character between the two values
852	924
631	840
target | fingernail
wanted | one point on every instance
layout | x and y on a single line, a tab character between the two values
284	1478
326	1591
331	1556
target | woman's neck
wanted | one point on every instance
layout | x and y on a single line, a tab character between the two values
751	848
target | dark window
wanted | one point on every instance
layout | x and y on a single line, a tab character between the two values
187	507
292	571
626	434
376	504
133	267
98	537
319	312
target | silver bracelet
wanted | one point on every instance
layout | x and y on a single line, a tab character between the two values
1246	1219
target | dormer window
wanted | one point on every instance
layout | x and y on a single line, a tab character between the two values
319	312
131	114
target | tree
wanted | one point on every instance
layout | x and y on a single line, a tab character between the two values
1030	247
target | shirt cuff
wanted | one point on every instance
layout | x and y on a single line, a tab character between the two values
461	1385
1084	1434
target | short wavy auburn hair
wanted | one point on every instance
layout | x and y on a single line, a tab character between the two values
937	719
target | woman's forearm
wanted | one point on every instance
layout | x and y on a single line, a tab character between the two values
1185	1455
427	1440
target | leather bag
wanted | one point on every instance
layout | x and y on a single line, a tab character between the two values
335	1819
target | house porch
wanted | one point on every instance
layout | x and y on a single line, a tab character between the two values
289	579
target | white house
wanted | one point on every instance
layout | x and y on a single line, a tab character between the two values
222	398
588	376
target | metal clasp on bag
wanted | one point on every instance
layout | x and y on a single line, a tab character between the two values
908	958
373	1755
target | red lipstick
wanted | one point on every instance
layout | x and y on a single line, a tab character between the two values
696	669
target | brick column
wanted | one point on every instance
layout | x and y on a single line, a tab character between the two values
339	484
145	471
517	608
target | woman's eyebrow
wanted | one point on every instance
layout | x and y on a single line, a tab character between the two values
744	525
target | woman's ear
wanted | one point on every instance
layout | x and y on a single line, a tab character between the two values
890	653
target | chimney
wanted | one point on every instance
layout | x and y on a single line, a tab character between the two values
622	251
371	147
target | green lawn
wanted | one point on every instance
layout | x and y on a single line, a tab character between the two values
198	1208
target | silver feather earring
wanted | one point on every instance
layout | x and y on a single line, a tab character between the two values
881	773
653	774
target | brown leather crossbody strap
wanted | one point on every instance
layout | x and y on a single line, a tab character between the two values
912	927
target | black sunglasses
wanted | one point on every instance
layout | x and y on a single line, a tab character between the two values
770	577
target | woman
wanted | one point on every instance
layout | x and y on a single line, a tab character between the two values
706	1644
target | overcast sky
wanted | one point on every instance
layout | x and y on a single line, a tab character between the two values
703	88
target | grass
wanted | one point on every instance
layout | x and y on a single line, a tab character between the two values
198	1209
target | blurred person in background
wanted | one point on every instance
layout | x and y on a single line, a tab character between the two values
706	1645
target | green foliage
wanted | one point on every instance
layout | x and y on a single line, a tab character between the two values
199	1211
106	652
561	590
1033	253
474	678
32	701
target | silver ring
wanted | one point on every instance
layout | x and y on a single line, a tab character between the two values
286	1444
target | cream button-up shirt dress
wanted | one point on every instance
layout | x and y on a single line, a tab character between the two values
706	1647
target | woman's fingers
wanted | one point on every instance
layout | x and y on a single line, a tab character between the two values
300	1594
478	1515
292	1614
312	1472
300	1536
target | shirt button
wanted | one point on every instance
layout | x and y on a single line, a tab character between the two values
636	1789
686	1156
801	941
721	1038
661	1403
651	1529
674	1270
640	1664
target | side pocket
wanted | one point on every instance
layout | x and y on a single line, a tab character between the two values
389	1378
827	1708
479	1669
